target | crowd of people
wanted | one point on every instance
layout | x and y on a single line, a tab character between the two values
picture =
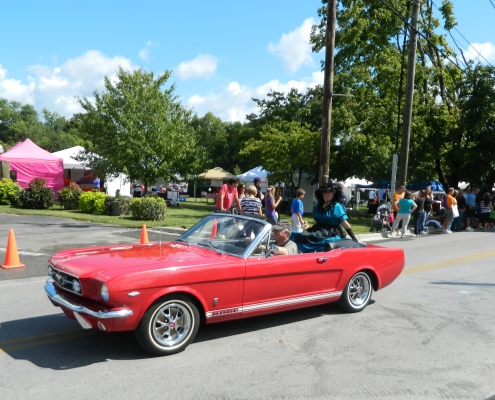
455	211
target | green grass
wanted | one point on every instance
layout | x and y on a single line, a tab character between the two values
184	216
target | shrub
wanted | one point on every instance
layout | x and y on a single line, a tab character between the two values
92	202
124	204
37	196
69	196
9	191
148	208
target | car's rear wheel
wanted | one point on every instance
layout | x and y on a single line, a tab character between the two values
168	326
357	293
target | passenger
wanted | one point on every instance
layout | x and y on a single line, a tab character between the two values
281	234
330	217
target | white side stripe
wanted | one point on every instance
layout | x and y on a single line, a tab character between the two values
271	304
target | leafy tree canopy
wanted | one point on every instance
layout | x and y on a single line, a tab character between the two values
137	127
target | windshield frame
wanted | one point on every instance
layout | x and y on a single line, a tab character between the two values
266	228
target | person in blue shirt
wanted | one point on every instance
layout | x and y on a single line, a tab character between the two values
330	217
470	207
297	209
406	206
96	183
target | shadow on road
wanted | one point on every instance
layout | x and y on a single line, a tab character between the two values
59	343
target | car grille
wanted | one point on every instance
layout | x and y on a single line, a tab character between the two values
66	281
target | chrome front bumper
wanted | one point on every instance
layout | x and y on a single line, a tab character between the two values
55	298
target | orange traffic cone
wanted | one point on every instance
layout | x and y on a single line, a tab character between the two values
11	255
144	235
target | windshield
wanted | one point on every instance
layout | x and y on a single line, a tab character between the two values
225	233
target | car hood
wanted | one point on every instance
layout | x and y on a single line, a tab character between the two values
87	262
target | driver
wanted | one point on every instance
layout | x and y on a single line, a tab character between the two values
281	234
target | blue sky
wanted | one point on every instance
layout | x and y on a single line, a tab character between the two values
222	52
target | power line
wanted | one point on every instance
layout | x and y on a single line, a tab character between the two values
428	29
467	41
404	19
492	3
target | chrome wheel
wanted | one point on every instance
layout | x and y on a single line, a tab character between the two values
171	324
359	289
357	293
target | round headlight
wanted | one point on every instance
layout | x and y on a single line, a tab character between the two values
50	271
76	286
105	296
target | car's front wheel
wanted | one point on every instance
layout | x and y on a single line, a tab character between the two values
357	293
168	326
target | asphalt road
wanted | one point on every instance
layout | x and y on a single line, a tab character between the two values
430	335
39	237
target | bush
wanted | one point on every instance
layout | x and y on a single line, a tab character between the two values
92	202
124	204
9	191
69	196
38	196
148	208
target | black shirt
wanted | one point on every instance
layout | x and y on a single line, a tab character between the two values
428	203
420	202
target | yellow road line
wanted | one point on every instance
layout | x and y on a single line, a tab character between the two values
43	342
447	263
30	338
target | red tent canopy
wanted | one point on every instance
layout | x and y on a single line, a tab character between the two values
31	161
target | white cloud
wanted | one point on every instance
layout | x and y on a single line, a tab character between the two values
235	102
294	47
15	90
202	66
144	53
487	50
55	88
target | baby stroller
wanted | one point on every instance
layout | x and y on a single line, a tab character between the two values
380	220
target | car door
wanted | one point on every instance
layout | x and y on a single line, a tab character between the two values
285	282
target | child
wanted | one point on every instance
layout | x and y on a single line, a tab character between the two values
297	209
271	205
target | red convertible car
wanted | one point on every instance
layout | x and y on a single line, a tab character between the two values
221	269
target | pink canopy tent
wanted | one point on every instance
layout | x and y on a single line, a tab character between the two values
31	161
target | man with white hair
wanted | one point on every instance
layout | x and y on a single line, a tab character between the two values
281	234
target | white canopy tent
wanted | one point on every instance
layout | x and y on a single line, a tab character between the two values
68	156
258	172
77	169
353	181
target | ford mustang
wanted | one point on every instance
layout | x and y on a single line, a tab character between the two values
222	269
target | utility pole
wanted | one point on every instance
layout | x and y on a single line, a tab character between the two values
411	70
326	121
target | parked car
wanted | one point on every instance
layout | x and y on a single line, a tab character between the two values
221	269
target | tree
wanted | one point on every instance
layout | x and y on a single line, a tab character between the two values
369	61
287	149
138	128
18	122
